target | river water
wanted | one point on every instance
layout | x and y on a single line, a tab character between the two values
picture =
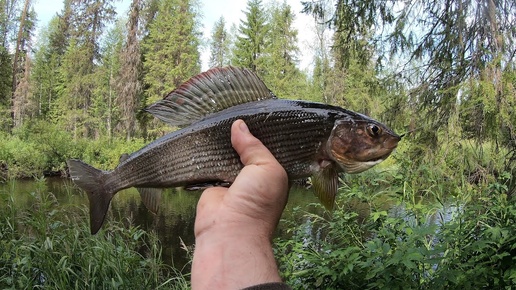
173	223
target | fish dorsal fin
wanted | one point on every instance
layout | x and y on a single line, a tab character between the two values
209	92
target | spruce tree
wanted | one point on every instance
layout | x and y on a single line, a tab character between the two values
129	78
171	48
219	45
21	69
250	40
104	112
77	70
45	73
279	63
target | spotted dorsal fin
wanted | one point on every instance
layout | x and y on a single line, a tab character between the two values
209	92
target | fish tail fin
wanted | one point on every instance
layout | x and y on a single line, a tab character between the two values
92	181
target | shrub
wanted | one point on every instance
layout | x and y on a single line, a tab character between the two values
462	245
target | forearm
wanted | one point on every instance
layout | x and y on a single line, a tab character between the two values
233	262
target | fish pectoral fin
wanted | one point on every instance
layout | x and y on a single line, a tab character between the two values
325	183
151	198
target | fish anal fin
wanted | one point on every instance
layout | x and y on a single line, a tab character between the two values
202	186
151	198
325	184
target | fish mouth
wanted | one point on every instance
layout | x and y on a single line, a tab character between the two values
382	157
392	143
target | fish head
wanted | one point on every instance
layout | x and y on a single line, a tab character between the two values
357	145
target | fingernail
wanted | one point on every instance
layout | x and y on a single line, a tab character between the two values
243	127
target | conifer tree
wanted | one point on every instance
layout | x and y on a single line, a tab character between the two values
104	112
45	72
219	45
77	70
279	64
20	90
250	41
129	79
8	14
171	53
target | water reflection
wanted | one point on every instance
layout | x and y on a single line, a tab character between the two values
175	220
173	223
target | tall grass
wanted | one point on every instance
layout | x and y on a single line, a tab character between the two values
49	246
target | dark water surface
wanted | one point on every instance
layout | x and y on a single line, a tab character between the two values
174	222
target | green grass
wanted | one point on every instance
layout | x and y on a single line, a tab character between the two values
49	246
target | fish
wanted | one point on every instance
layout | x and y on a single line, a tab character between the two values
308	139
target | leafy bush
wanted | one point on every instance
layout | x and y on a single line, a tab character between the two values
422	246
40	148
20	158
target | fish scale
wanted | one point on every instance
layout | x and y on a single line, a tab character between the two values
308	139
213	158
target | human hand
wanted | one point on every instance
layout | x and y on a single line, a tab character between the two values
234	226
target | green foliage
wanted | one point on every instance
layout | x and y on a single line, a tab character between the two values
431	245
50	247
45	74
278	65
41	148
250	42
171	50
170	57
219	45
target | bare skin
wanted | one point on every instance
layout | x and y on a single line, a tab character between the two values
234	226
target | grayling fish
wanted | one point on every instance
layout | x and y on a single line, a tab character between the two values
308	139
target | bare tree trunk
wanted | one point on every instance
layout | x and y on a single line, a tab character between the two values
22	105
16	66
128	82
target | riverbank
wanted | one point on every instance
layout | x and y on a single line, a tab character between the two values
42	151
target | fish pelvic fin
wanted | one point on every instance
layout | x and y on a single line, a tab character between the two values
325	183
151	198
92	181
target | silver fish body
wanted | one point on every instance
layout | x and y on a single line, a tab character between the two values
202	153
308	139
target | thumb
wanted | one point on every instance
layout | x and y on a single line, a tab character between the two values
262	176
249	148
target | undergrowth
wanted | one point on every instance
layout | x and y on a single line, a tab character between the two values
49	246
405	237
42	148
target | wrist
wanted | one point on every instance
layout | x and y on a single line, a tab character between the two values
237	227
233	260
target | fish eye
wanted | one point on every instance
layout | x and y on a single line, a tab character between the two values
374	130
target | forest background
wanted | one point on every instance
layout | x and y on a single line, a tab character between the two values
442	71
